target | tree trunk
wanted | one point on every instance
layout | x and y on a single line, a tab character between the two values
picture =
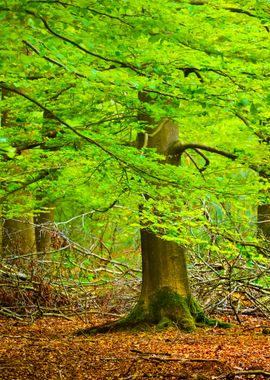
18	237
165	294
1	232
18	233
263	219
43	225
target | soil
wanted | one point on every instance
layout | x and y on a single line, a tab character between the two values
48	349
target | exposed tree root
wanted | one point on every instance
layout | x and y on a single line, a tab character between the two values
167	308
125	324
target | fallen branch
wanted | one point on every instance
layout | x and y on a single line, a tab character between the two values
155	357
7	313
149	353
190	360
255	372
57	315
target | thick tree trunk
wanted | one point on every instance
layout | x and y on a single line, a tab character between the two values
165	294
163	265
18	237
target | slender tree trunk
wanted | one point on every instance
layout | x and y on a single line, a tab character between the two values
263	219
43	225
44	220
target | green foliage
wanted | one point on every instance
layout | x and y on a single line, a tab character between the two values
71	73
6	149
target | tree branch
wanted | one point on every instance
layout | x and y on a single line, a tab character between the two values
207	162
109	16
178	149
86	138
51	60
230	9
42	175
78	46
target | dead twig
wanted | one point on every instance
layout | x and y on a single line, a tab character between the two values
155	357
7	313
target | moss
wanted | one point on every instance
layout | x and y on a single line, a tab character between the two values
166	308
164	323
166	303
137	314
196	310
201	318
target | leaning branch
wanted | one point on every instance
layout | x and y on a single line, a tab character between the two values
57	118
51	60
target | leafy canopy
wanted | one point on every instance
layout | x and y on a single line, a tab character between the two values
71	72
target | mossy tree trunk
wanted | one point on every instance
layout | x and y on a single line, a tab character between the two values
165	295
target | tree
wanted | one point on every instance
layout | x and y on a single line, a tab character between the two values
18	233
203	72
165	295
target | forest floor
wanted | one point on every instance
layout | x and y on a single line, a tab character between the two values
47	349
